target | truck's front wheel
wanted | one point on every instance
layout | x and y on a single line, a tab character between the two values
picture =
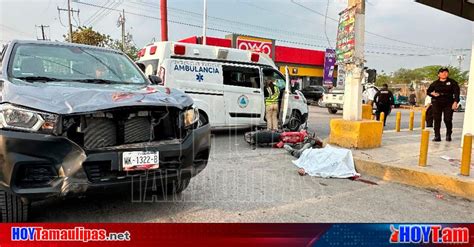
332	110
13	208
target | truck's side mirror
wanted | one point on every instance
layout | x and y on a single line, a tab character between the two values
141	66
154	79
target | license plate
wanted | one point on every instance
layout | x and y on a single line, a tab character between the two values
334	105
139	160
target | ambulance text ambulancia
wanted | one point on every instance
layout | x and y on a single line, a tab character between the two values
226	84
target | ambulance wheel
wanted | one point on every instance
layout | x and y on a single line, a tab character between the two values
295	121
203	120
13	208
332	110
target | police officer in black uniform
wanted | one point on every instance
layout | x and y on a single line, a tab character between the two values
384	101
444	94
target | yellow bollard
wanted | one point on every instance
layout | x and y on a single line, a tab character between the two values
382	117
412	119
425	138
466	155
397	123
423	119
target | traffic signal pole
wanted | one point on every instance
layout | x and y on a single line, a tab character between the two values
352	109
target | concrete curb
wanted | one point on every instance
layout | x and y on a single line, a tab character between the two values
419	177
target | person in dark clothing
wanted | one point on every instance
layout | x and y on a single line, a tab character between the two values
444	94
412	98
384	101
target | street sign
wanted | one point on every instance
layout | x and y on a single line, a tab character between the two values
345	47
329	64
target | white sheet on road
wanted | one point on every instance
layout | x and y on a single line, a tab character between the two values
327	162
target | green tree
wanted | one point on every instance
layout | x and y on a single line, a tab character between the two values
87	36
382	79
130	49
427	73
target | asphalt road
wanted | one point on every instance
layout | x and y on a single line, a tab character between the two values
245	185
319	120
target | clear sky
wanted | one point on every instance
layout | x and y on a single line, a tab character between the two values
400	33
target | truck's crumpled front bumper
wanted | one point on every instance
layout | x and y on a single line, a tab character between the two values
37	166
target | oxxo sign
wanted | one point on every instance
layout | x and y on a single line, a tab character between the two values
254	44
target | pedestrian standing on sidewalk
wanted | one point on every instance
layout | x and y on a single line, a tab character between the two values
384	101
444	94
429	112
412	98
271	93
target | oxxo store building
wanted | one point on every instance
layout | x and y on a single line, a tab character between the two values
305	66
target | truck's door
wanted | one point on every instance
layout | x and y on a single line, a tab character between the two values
243	95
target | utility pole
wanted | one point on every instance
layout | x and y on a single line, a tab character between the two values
355	70
121	22
204	23
70	11
460	59
164	20
69	19
43	35
123	29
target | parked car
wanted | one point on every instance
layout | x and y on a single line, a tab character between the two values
334	100
462	103
314	93
400	100
75	118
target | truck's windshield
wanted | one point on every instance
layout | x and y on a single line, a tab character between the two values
50	62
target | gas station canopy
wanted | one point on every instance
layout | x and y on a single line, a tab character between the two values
461	8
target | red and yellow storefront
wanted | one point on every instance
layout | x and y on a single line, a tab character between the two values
305	66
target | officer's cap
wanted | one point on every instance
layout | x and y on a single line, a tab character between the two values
443	69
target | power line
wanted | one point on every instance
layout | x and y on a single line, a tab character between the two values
187	12
325	24
387	46
280	40
5	27
368	32
93	16
269	30
106	13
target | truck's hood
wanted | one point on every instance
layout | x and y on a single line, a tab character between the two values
74	97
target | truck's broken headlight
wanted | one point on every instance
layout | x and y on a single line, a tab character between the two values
190	116
12	117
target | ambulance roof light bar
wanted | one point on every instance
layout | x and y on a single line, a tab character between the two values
141	53
222	54
179	49
153	50
255	57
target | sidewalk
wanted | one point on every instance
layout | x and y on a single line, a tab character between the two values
397	161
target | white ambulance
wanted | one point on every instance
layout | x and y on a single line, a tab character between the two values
226	84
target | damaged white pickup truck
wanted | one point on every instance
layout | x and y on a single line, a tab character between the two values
74	118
